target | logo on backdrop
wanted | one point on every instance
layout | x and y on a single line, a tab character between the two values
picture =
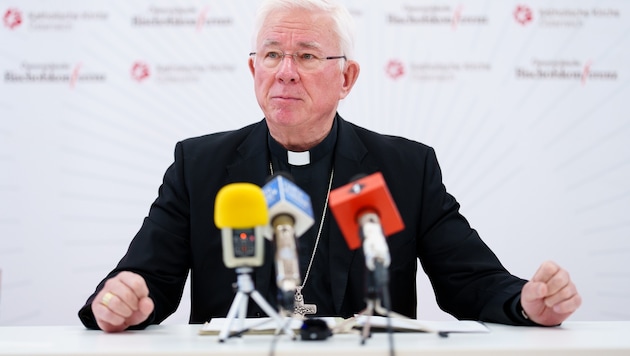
57	20
180	16
50	72
523	14
140	71
564	17
12	18
395	69
177	73
565	70
438	15
438	71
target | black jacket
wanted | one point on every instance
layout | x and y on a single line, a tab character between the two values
179	234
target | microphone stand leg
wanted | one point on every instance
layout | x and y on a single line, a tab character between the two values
240	302
368	312
239	306
272	313
242	311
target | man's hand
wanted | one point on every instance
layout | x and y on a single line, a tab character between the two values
550	296
124	301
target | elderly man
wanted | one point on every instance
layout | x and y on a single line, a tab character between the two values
302	66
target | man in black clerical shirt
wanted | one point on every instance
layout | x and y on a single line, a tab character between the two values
302	65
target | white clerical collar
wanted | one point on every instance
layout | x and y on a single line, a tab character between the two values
299	158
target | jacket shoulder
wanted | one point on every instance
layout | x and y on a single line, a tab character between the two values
387	144
224	140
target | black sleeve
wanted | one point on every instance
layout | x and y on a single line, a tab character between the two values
160	251
468	279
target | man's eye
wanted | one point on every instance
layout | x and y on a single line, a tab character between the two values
307	56
273	55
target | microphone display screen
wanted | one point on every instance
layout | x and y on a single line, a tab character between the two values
244	241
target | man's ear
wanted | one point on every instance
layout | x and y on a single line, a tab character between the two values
350	75
252	69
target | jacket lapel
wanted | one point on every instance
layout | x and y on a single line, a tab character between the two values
251	163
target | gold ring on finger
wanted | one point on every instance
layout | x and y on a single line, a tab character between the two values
107	298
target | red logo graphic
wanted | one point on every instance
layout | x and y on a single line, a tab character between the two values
586	71
201	19
12	18
523	14
395	69
457	17
140	71
75	75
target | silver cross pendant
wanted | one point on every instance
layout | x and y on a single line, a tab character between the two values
300	309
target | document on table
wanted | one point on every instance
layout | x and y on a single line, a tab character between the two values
339	325
414	325
250	325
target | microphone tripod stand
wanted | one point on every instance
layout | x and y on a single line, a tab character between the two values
377	281
376	284
239	305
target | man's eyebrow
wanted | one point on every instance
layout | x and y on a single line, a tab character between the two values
270	43
309	45
302	45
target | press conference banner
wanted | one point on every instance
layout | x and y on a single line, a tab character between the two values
524	102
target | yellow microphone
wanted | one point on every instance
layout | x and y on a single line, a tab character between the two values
240	211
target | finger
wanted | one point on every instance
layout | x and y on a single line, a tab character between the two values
545	272
106	318
110	328
558	282
533	291
120	305
564	294
135	283
124	300
568	306
145	308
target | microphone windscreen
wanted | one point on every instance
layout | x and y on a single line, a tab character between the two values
367	194
239	206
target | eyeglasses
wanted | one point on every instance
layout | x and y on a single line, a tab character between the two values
304	61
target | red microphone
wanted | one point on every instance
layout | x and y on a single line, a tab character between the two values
360	199
366	213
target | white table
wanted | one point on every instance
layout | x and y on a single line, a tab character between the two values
572	338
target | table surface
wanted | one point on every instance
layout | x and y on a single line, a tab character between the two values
571	338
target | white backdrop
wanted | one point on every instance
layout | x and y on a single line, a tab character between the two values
523	101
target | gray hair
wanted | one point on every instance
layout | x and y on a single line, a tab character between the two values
343	21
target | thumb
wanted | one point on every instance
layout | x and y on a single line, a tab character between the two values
533	291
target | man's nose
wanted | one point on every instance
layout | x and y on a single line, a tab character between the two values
288	69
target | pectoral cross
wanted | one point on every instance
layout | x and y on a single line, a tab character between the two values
300	309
